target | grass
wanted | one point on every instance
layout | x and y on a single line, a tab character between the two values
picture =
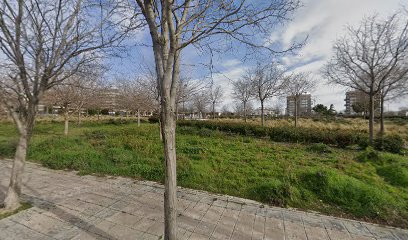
341	182
24	206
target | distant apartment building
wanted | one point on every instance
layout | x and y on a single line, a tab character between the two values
358	99
304	105
267	112
109	99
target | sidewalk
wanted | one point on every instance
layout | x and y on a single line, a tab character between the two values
68	206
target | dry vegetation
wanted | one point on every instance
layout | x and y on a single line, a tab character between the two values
392	126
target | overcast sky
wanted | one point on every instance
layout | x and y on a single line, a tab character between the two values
321	20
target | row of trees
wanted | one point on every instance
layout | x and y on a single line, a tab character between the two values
266	81
373	59
45	43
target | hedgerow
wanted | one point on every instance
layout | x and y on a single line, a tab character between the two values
340	138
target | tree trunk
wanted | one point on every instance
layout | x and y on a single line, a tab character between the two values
160	126
66	121
262	114
138	117
170	197
296	113
371	119
382	128
177	117
245	116
12	200
213	110
184	112
79	118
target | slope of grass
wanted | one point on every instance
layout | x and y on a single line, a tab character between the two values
320	178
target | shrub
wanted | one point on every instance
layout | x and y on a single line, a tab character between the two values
395	174
363	143
369	155
274	192
348	193
340	138
391	143
319	148
8	148
153	119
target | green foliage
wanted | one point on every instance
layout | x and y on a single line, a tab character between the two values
236	160
319	148
390	143
8	147
275	192
341	138
350	194
321	109
396	174
154	119
369	155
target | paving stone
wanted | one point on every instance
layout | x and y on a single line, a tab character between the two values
293	225
67	206
125	218
357	228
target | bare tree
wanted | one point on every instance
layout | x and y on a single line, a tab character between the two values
200	103
368	56
216	93
173	26
296	85
44	43
267	81
72	95
242	91
187	90
134	98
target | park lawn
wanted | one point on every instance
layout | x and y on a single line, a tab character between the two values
309	177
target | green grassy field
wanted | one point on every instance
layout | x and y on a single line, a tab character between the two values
343	182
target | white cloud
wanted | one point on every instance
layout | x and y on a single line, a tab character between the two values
324	21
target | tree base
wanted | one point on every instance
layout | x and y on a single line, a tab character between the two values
11	203
9	209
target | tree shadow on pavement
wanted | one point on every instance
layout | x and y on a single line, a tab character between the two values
81	222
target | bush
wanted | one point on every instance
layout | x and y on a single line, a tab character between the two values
319	148
154	119
391	143
348	193
274	192
395	174
369	155
8	147
339	138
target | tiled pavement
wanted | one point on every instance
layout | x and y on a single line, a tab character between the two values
68	206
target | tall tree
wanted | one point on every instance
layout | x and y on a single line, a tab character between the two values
43	43
296	85
267	81
242	92
177	24
368	56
